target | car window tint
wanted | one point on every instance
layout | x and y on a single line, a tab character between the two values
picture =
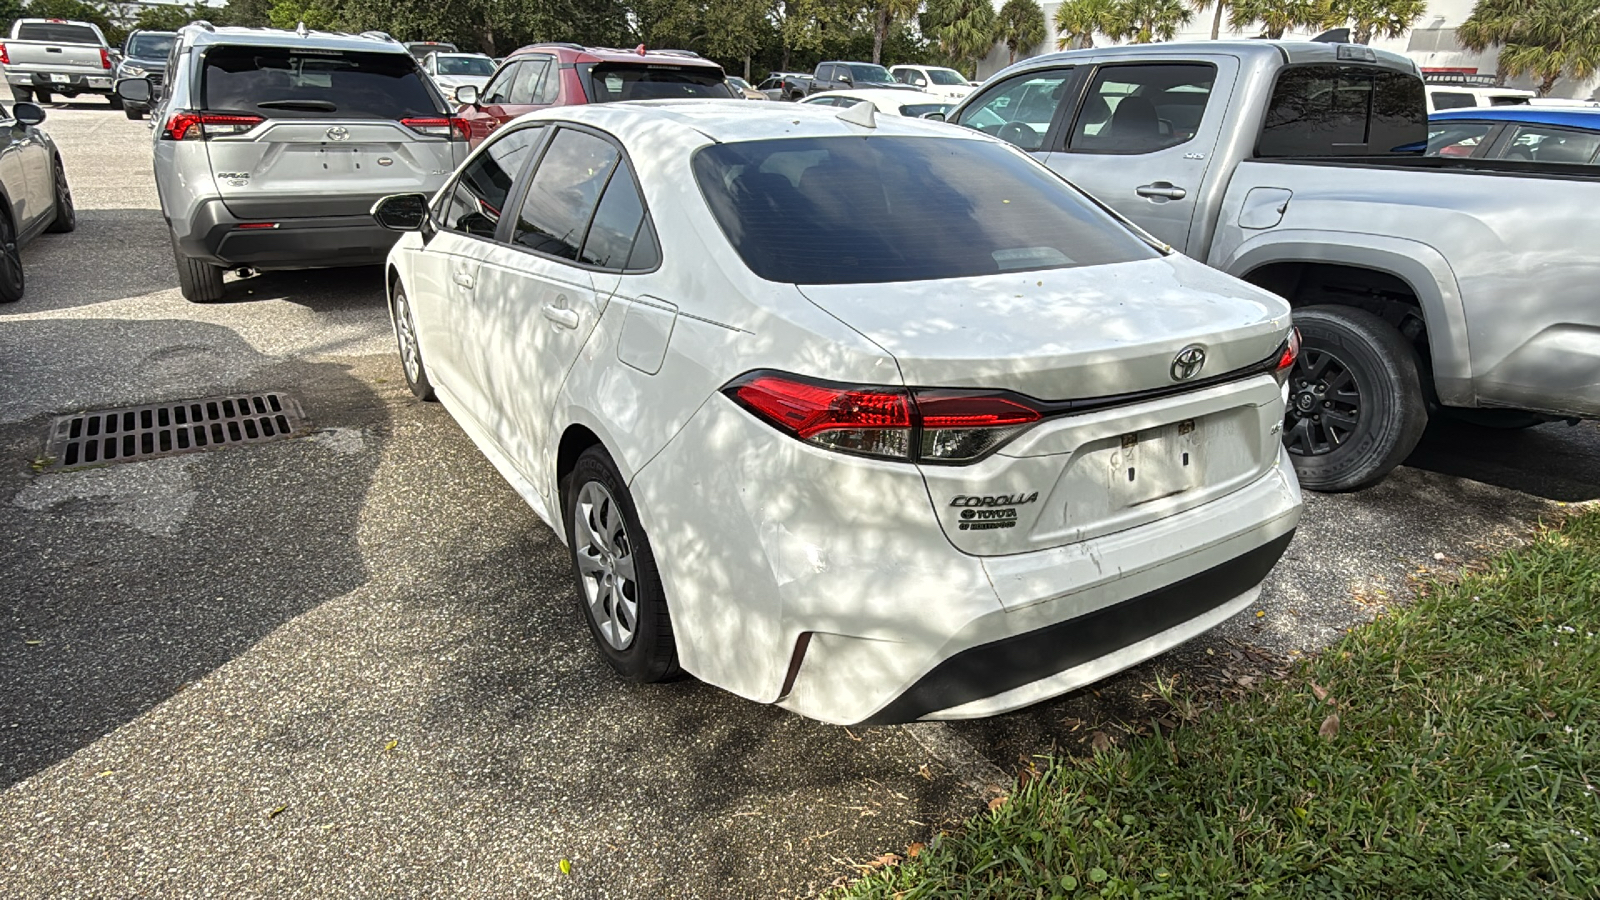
865	206
646	254
947	77
562	196
1019	109
547	90
609	82
526	84
57	33
1452	100
1333	110
1140	109
917	110
616	222
1541	143
151	46
1509	101
499	88
1457	138
473	203
271	81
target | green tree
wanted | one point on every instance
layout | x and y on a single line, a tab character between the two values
314	14
885	14
1545	39
1147	21
1389	18
168	17
1078	21
1021	26
1219	7
963	30
1278	16
255	13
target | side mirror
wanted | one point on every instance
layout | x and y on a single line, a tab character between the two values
845	79
467	95
27	113
401	212
933	116
135	89
920	82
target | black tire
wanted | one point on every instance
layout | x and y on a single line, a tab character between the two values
134	114
1356	405
66	214
42	96
648	653
11	279
116	101
21	95
200	282
405	337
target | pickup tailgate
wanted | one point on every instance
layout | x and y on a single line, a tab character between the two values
40	56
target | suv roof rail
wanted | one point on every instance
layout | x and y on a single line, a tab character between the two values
1471	79
202	23
378	35
564	44
689	53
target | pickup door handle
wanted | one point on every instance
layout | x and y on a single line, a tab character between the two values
560	315
1162	189
462	278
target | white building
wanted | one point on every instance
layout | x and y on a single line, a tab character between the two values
1431	42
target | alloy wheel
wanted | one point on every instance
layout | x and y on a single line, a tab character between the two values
63	193
605	565
406	332
1324	404
10	256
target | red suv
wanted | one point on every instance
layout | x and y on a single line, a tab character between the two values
541	75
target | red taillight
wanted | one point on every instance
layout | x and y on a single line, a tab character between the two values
951	426
105	59
453	127
192	126
1291	352
255	225
5	58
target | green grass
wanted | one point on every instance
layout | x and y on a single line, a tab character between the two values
1466	764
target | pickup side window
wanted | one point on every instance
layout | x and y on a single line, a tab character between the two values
1344	110
1443	100
1542	143
1143	108
824	73
1019	109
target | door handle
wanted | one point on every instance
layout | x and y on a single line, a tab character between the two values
560	315
1162	189
462	279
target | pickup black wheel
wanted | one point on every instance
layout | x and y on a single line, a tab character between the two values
200	282
1356	407
21	95
134	114
11	283
66	214
42	96
116	101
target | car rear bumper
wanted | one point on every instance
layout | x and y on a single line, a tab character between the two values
62	82
218	237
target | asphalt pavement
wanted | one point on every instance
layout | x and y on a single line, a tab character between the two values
350	665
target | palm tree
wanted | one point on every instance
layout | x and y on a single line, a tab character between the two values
1278	16
1147	21
1078	21
1390	18
964	30
1216	20
884	16
1547	39
1021	26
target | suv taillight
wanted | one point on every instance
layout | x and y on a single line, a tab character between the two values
1286	357
105	59
454	128
931	425
184	125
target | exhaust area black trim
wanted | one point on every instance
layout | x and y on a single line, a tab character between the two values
1000	666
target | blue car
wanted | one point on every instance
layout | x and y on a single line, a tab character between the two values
1543	134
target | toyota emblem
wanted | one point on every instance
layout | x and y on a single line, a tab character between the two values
338	133
1188	362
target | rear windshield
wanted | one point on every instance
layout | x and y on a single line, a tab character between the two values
310	83
151	46
628	81
860	210
465	65
57	33
1333	110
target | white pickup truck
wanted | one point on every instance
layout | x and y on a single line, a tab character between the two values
1423	286
45	57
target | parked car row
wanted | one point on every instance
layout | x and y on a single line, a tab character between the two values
34	194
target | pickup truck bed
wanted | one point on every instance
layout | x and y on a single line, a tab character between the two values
45	57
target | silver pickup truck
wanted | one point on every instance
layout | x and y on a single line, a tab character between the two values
1421	285
45	57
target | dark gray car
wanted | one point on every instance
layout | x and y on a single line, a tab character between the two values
33	186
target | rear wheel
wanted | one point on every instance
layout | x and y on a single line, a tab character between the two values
66	214
11	282
21	95
200	282
1356	407
619	589
405	333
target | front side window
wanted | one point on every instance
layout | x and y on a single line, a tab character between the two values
862	72
315	83
1457	138
864	205
499	89
1333	110
1141	109
563	194
474	202
526	86
1542	143
1019	109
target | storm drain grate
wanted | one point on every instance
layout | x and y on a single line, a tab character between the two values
168	429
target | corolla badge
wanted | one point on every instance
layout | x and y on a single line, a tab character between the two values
338	133
1188	362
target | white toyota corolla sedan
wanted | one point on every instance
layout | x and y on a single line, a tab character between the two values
808	449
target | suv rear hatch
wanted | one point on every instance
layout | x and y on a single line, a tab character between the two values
310	132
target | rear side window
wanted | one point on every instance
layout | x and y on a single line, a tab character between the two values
610	82
1457	138
57	33
1543	143
885	209
1141	109
563	194
617	223
1330	110
474	202
310	83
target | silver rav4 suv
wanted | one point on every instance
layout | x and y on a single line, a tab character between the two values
271	147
